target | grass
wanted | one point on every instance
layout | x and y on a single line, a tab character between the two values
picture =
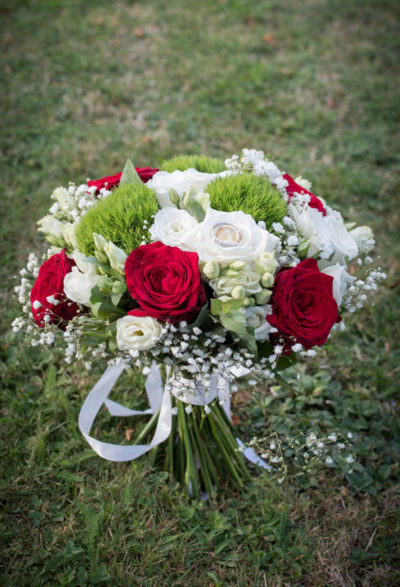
84	85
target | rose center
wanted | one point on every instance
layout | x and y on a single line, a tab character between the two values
227	235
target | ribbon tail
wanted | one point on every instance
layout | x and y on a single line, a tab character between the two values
93	403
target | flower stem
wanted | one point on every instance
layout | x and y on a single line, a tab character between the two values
191	478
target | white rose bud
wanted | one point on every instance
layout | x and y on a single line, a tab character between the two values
99	242
211	269
116	256
68	231
51	227
78	286
138	332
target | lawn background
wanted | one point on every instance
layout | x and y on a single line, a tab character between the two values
86	84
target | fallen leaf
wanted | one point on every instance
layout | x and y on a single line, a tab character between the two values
268	38
138	32
128	434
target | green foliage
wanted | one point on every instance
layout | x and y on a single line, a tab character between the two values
118	218
199	162
249	193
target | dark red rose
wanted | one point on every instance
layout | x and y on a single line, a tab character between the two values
50	282
294	187
165	282
112	181
303	306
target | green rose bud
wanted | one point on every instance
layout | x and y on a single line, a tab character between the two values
249	302
267	280
211	269
116	257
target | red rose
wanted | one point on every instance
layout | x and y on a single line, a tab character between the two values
303	306
112	181
165	282
295	187
50	282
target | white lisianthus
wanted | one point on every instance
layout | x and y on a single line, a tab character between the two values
138	332
78	286
227	236
340	279
116	256
181	182
256	318
364	238
51	227
327	235
68	231
172	227
65	201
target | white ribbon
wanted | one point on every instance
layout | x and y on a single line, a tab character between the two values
159	399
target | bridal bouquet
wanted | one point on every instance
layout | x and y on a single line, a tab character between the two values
198	273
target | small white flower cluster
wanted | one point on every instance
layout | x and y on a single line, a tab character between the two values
358	293
70	205
259	164
307	451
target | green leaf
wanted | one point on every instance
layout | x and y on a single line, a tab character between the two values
231	306
174	197
129	174
239	329
116	298
216	306
191	205
202	318
106	310
96	295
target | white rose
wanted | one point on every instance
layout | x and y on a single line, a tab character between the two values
340	279
65	201
51	227
327	235
172	226
225	236
256	318
78	286
364	238
181	182
138	332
